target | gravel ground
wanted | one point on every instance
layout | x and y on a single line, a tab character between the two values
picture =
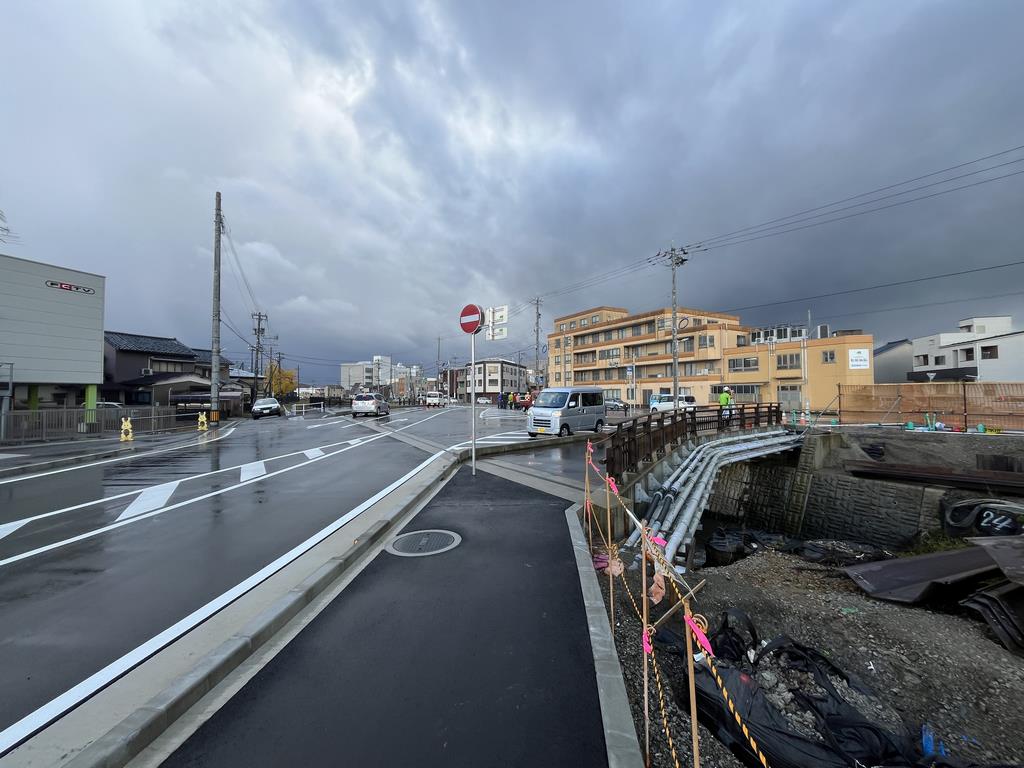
924	666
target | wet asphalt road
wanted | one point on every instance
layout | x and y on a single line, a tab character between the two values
96	560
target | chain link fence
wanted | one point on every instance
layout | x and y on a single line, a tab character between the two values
52	424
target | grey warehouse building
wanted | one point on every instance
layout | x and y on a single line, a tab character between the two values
51	333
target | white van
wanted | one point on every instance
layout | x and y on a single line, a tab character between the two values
435	400
564	410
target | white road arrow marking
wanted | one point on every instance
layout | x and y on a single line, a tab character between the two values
255	469
149	499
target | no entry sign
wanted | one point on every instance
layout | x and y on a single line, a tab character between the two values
471	318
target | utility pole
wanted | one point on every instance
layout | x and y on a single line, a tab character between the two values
259	318
215	345
675	257
280	371
536	339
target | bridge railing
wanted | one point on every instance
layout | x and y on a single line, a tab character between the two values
647	437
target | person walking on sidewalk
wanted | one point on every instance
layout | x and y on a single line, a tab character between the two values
725	402
512	401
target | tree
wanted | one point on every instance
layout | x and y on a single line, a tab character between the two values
281	380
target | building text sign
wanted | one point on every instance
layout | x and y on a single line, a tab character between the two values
860	359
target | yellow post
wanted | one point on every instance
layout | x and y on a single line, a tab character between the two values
202	421
127	435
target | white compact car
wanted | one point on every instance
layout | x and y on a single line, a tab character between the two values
370	404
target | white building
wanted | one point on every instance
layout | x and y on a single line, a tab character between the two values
983	349
893	361
495	375
357	375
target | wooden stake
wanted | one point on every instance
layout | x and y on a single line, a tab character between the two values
643	592
693	688
608	533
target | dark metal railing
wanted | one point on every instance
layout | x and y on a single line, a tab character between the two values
647	437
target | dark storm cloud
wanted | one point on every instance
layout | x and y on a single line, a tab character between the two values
384	163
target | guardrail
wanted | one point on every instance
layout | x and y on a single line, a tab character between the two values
76	423
647	437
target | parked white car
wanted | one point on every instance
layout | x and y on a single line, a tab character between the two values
665	403
370	404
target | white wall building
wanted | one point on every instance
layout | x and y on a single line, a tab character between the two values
495	375
983	349
51	332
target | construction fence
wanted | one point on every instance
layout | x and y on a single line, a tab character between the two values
959	404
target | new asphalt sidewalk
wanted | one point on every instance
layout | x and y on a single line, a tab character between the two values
493	652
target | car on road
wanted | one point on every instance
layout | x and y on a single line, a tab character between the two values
564	410
267	406
524	401
483	400
613	404
435	400
370	404
664	403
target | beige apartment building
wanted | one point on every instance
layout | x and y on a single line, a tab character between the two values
630	357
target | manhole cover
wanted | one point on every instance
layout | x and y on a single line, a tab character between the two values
421	543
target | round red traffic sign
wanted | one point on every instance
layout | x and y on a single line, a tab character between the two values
471	318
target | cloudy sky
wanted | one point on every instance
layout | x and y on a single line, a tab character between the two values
384	163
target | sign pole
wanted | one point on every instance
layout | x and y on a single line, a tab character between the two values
472	399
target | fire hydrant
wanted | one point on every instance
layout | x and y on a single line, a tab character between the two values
127	435
202	421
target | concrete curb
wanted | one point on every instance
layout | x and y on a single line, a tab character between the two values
620	736
118	746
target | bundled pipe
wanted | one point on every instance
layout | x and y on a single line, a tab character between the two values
684	516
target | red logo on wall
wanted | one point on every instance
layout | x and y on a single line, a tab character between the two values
70	287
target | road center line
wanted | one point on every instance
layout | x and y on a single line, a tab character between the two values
201	441
13	735
146	515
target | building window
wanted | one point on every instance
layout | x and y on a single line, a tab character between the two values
967	355
583	322
636	330
705	340
595	319
493	383
558	377
790	362
990	353
620	333
789	395
607	335
650	327
923	359
940	359
741	340
743	364
572	324
613	393
558	359
662	323
755	337
828	356
558	343
688	344
561	326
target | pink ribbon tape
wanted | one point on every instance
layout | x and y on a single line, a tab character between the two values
702	639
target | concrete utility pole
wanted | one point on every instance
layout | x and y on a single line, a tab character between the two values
675	257
438	369
259	318
536	339
215	345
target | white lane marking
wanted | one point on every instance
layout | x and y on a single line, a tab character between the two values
13	455
147	515
117	496
331	424
313	453
150	499
46	714
253	469
129	457
8	528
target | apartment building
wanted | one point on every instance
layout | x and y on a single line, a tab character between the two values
494	375
630	357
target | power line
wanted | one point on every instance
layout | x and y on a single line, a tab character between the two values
241	270
879	285
862	194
